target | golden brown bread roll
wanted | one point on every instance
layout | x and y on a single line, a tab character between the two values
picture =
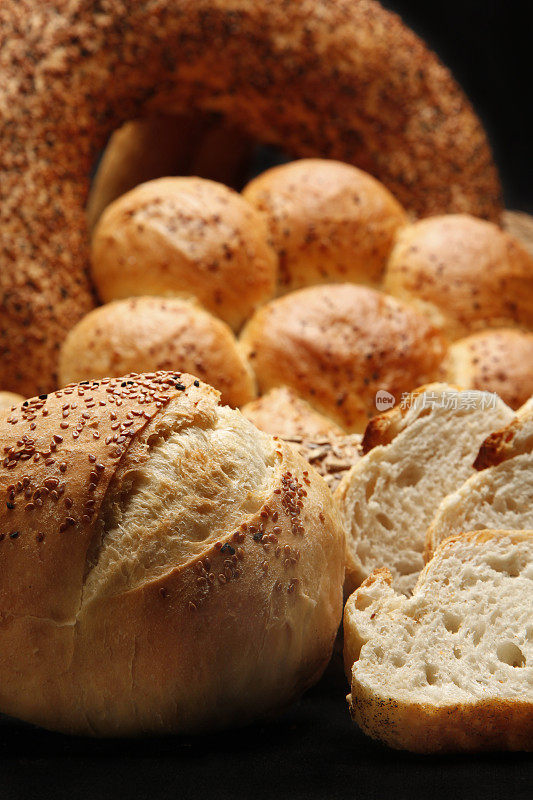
188	237
8	399
281	412
144	149
148	334
499	360
466	273
164	565
329	222
338	345
343	79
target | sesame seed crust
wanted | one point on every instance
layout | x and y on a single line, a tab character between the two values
253	606
332	78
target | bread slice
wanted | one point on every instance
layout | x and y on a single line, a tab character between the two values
501	495
450	668
416	454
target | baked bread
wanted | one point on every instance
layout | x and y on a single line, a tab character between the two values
343	79
8	399
516	438
499	360
332	458
164	565
449	668
329	222
147	334
466	273
501	495
185	236
337	346
281	412
163	145
414	455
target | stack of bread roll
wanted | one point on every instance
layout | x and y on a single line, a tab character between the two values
333	292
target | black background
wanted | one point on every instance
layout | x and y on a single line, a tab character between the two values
314	750
488	45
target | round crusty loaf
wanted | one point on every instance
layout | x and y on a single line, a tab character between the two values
9	399
499	361
147	334
281	412
164	565
343	79
144	149
329	222
338	345
188	237
466	273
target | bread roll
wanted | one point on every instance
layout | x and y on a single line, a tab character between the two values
146	334
329	222
281	412
447	669
467	274
164	566
8	399
144	149
338	345
498	361
188	237
338	78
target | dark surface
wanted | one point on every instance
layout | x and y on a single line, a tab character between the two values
488	45
314	751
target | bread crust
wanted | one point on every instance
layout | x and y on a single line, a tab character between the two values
281	412
424	728
148	334
466	273
188	237
144	149
383	428
235	631
337	345
499	361
9	399
329	222
280	71
515	438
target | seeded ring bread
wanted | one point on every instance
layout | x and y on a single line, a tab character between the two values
342	79
164	566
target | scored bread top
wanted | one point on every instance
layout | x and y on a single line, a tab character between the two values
164	565
60	453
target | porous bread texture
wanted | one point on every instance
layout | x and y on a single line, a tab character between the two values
164	566
185	237
328	221
70	77
281	412
450	668
500	496
180	487
146	334
421	451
